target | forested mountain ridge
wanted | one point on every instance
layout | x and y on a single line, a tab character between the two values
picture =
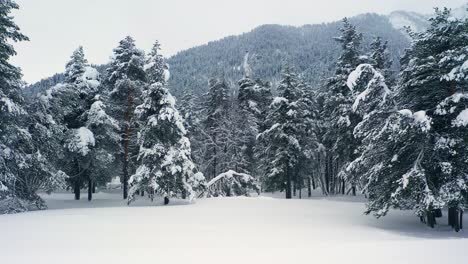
310	48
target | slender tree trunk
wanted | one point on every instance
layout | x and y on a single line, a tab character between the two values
142	192
343	186
327	174
353	190
288	182
313	183
90	189
300	193
309	187
94	187
294	187
166	200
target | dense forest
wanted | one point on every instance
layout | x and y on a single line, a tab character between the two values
360	119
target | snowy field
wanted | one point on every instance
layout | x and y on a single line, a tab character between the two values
222	230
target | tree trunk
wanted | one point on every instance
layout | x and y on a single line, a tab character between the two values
294	187
288	182
309	187
343	186
166	200
90	189
430	219
327	174
77	189
451	216
94	187
353	189
142	192
313	184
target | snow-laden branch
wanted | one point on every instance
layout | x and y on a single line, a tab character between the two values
231	183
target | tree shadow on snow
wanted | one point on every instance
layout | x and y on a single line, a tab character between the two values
407	224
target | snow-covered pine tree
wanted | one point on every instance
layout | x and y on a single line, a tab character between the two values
418	154
10	100
166	166
338	117
282	138
126	80
250	106
24	168
76	67
104	128
66	108
308	140
216	128
380	59
373	104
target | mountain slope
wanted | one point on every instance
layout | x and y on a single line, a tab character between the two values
310	48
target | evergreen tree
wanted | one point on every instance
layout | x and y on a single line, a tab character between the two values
216	128
282	138
339	120
76	67
126	79
165	155
380	59
24	168
415	161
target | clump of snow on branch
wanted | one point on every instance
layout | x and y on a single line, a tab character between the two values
82	141
462	119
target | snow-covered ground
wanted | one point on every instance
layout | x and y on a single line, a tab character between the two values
261	229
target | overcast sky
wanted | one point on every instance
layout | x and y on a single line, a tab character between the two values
57	27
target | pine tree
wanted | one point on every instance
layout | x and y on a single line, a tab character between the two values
414	160
282	138
76	67
126	79
165	155
10	99
24	168
338	117
216	128
380	59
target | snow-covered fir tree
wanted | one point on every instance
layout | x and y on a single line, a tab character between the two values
282	139
380	59
126	79
417	159
216	128
338	119
24	168
166	167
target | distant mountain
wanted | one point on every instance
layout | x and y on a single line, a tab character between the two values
419	22
310	48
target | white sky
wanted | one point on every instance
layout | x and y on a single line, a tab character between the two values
57	27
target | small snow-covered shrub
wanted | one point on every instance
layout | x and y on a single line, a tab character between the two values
231	183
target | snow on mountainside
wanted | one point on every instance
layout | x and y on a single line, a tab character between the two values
402	19
461	12
419	22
